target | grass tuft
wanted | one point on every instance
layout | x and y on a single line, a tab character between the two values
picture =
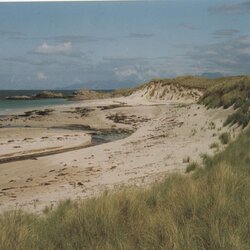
214	145
191	167
225	138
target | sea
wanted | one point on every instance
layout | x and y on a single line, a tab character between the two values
7	107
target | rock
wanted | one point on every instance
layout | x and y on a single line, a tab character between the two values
29	179
45	184
41	95
19	97
48	94
86	94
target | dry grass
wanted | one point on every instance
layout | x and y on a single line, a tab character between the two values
206	210
230	91
225	138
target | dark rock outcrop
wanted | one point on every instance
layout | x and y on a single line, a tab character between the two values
86	94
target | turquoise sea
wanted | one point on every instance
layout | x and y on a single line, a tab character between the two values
7	107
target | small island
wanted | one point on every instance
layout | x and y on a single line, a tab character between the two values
40	95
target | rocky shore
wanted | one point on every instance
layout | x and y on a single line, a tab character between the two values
41	95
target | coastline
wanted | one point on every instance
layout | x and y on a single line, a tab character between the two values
167	136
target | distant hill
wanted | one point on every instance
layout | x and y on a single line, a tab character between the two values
102	84
211	75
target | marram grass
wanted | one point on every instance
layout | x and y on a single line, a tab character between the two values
220	92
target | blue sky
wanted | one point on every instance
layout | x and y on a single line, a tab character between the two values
118	44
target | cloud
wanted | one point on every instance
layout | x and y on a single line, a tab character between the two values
140	35
78	39
141	69
73	38
225	33
236	8
125	72
15	59
120	61
41	76
59	49
136	72
229	57
187	26
8	34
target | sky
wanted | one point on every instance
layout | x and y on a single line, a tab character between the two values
104	45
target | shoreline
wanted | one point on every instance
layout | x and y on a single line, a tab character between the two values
167	137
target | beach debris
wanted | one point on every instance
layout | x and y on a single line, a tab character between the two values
125	119
29	179
27	139
9	188
62	174
45	184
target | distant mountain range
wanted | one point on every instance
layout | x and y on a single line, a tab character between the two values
212	75
103	84
116	84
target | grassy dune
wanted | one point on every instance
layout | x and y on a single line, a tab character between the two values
230	92
220	92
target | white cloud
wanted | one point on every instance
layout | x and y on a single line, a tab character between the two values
125	72
41	76
229	57
59	49
235	8
138	72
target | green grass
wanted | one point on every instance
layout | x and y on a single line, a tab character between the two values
209	209
225	138
191	167
230	91
214	145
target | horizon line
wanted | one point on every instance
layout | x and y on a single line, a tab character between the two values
40	1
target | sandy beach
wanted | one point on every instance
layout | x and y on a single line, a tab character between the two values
50	155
